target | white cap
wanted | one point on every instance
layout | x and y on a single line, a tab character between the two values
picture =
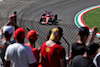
8	29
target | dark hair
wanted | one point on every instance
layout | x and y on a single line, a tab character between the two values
83	31
60	31
92	48
48	36
78	49
6	34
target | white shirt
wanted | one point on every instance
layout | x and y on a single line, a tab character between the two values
94	60
19	55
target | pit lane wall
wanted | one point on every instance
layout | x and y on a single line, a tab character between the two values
79	18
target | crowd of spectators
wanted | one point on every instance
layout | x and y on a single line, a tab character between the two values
16	53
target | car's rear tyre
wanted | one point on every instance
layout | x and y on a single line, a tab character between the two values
43	14
56	17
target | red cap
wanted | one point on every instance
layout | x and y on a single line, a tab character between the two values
19	33
32	35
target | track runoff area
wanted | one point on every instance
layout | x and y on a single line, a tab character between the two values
79	18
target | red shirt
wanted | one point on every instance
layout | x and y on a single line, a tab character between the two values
52	55
35	51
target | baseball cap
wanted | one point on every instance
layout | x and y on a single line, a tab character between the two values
32	35
84	30
8	29
92	48
56	33
19	33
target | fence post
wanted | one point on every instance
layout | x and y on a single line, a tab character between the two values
68	47
15	14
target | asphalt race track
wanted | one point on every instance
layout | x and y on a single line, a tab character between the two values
31	10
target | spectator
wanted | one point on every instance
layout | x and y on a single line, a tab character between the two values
6	31
32	37
97	57
78	48
82	38
8	27
52	54
17	54
86	60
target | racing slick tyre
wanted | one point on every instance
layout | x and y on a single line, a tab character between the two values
56	17
43	14
40	20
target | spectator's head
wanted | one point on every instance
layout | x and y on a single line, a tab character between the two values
32	35
83	34
56	34
83	31
78	49
19	35
7	31
92	48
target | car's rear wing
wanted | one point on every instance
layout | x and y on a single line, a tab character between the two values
49	12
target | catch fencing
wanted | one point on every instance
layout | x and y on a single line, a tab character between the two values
69	32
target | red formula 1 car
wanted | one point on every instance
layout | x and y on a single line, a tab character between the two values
48	18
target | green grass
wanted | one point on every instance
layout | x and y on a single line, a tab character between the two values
92	18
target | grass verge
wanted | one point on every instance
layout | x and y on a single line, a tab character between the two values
92	18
